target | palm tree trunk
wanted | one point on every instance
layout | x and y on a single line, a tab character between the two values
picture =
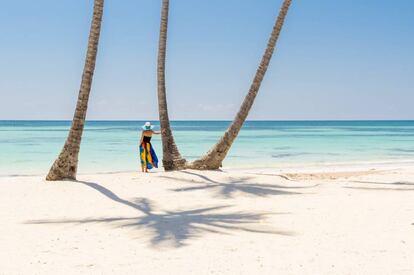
172	159
214	158
66	165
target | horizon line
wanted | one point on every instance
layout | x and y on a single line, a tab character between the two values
209	120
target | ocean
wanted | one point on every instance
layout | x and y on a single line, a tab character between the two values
29	147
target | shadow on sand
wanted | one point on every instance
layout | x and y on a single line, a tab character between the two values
240	185
174	228
387	186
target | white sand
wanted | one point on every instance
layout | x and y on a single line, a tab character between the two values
233	222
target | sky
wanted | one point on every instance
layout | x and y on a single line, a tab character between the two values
335	59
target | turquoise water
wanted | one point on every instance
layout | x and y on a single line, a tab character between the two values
29	147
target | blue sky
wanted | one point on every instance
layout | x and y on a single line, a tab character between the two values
348	59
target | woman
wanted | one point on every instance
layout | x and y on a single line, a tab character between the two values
149	159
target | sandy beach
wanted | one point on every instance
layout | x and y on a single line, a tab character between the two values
326	220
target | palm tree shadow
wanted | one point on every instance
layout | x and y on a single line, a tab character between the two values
385	183
386	186
174	228
200	176
240	185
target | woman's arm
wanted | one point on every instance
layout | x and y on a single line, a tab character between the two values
142	137
156	132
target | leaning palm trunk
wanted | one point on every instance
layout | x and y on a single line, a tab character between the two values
172	159
66	165
214	158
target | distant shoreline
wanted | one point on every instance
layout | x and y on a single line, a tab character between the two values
292	167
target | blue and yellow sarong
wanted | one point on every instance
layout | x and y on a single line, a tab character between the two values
148	156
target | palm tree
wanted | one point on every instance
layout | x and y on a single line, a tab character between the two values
214	158
66	165
172	159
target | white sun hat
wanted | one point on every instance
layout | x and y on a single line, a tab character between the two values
147	126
